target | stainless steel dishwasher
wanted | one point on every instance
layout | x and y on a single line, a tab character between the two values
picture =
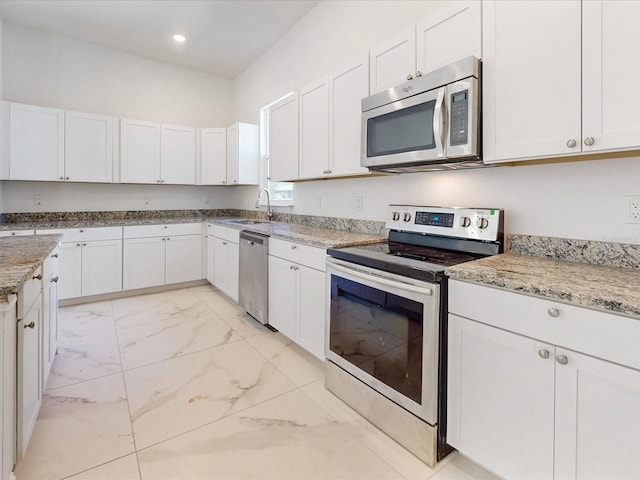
253	294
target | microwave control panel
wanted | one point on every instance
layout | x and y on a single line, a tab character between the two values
459	127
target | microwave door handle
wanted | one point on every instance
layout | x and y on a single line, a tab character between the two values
383	281
438	123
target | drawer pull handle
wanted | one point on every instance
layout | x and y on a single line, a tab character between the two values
37	277
543	353
81	231
55	279
30	325
224	243
55	255
293	267
293	247
562	359
553	312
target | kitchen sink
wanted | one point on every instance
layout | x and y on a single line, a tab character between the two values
251	221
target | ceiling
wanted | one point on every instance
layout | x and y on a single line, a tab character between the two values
223	36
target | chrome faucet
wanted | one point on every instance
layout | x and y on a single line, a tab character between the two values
269	212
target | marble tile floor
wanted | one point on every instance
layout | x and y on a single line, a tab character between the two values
184	385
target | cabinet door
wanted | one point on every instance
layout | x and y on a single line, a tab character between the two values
213	156
314	130
9	368
248	154
610	49
70	270
139	152
234	271
283	296
101	267
232	155
347	87
49	324
88	147
144	262
29	374
210	267
393	60
532	79
283	139
452	33
36	143
311	314
597	419
178	155
183	258
500	399
221	264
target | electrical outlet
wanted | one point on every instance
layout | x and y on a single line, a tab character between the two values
37	199
632	209
147	199
205	199
357	203
317	202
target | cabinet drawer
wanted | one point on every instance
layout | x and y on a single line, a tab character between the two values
145	231
16	233
84	234
29	292
313	257
50	264
599	334
229	234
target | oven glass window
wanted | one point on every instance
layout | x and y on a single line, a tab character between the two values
378	332
405	130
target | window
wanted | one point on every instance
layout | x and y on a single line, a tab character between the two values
280	193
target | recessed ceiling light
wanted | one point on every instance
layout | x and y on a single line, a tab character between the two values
179	38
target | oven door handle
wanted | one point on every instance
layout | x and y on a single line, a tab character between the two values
382	280
438	123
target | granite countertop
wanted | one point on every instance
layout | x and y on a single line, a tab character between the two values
97	223
314	236
606	288
19	258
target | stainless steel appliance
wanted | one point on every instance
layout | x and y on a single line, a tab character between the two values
429	123
387	321
253	288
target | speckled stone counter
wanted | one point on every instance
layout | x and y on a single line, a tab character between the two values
314	236
31	225
20	256
611	289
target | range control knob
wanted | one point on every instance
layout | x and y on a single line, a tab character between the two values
395	216
406	216
482	223
465	221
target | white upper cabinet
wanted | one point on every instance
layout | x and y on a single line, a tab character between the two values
610	49
139	151
393	60
531	84
36	143
177	155
88	147
314	130
347	87
243	154
453	32
564	88
213	156
283	139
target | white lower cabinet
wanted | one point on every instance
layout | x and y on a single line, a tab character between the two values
8	344
50	277
161	254
297	293
90	261
210	243
29	363
528	408
225	260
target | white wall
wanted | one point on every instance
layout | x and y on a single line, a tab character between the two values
579	199
55	71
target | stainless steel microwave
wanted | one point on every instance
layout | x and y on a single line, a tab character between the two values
430	123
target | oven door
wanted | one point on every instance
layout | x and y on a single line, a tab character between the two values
383	329
405	131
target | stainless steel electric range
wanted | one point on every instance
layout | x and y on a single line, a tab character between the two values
387	321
